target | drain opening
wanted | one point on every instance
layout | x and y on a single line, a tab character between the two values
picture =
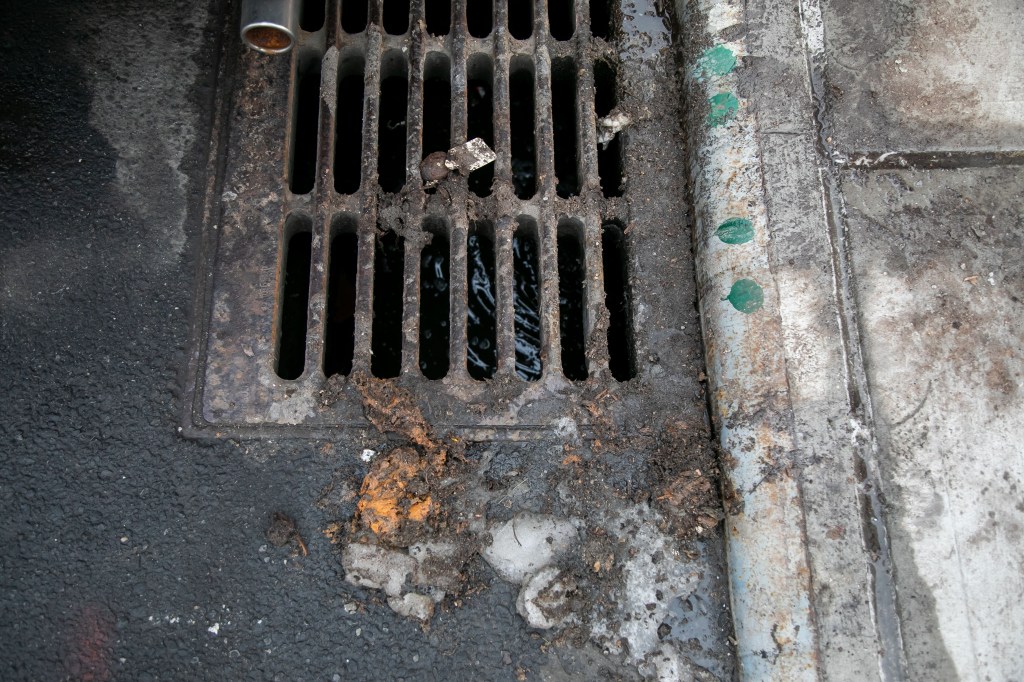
481	308
571	300
305	125
526	299
437	103
386	335
601	19
480	116
561	19
353	16
312	17
348	144
340	327
294	296
395	16
520	19
563	115
609	155
435	304
621	359
521	125
394	95
438	15
479	19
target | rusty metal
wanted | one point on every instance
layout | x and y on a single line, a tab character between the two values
235	390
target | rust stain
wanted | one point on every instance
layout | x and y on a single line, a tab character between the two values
394	493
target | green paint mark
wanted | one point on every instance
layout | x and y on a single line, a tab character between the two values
724	106
746	296
735	231
716	61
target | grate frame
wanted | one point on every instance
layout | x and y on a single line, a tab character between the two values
234	390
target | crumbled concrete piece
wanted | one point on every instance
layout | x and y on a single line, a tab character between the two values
527	543
470	156
544	599
412	604
609	126
377	568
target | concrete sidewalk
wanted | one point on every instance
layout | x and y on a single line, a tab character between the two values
888	144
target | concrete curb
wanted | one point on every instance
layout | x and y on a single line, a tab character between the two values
746	360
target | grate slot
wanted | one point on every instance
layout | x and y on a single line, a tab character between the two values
340	326
348	145
388	293
609	155
435	301
438	17
561	19
480	116
527	299
564	93
520	18
621	357
395	16
354	15
571	299
437	103
482	321
479	18
293	300
312	17
392	122
521	126
601	19
305	123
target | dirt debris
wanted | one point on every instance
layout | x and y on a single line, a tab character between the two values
393	409
283	532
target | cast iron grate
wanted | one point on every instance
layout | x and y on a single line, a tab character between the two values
507	300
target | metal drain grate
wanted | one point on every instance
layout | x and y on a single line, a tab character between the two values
546	286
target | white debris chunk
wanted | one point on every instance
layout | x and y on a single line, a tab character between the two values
470	156
527	543
367	455
609	126
377	568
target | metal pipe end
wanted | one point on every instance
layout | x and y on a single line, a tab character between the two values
268	38
269	26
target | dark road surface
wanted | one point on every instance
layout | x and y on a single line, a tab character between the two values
127	552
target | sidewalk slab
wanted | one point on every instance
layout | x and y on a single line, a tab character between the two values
932	75
938	261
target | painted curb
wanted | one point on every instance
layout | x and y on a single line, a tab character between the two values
767	550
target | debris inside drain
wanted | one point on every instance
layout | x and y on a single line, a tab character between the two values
609	126
470	156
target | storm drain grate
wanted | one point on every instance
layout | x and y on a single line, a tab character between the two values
546	286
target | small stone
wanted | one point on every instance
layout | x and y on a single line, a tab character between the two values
433	169
351	607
